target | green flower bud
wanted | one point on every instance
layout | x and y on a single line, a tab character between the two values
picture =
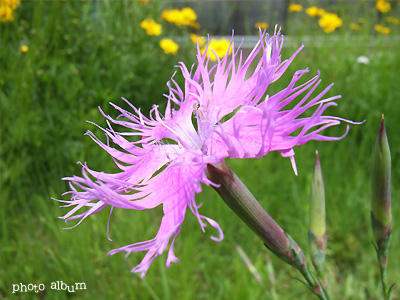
317	238
380	183
317	201
242	202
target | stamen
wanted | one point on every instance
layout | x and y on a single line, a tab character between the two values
201	114
195	107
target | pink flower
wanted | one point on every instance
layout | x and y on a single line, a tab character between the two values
222	111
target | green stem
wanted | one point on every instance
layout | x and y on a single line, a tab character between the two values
324	284
382	258
382	252
316	287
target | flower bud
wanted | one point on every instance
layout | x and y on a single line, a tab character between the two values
381	215
242	202
317	238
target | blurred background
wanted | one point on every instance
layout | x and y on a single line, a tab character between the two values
61	60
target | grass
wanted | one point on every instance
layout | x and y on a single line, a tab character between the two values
47	94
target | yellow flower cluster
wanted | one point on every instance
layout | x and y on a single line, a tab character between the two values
217	47
329	22
381	29
197	38
262	25
315	11
185	16
151	27
392	20
181	17
383	6
295	7
7	8
169	46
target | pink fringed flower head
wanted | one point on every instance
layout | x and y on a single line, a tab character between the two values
222	111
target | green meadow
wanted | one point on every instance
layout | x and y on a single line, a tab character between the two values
85	54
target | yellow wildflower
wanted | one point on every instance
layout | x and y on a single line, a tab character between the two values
189	15
315	11
24	48
378	27
383	6
11	3
295	7
195	25
392	20
169	46
217	47
354	26
262	25
143	1
381	29
329	22
6	13
385	30
186	17
151	27
170	15
197	38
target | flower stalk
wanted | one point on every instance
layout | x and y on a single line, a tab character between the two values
381	215
242	202
317	236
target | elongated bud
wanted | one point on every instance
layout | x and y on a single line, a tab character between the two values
317	238
242	202
381	215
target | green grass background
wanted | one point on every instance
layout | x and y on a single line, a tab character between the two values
85	54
